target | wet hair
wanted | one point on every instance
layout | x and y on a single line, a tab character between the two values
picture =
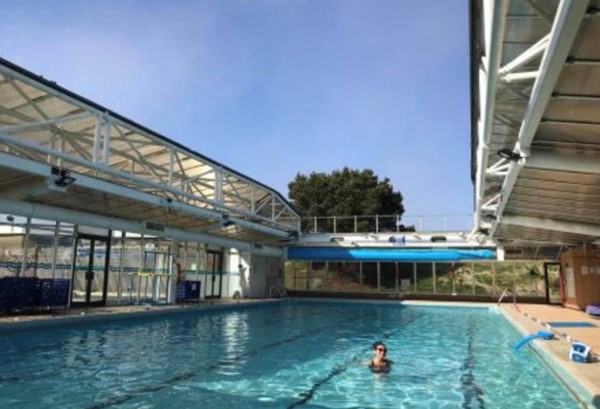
378	344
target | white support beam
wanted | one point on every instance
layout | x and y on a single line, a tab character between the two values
147	198
494	22
499	168
542	223
106	144
492	204
219	185
34	210
520	76
28	126
171	166
566	25
540	159
97	141
526	56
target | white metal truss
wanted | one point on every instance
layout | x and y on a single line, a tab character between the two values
494	13
42	211
43	123
553	48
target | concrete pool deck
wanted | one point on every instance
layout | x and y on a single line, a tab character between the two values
582	379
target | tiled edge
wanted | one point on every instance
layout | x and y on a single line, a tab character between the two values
414	303
584	396
116	316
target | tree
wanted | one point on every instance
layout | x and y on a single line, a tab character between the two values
346	192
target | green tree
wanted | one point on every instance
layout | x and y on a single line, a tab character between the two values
345	193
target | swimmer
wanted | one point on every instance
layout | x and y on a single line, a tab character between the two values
379	363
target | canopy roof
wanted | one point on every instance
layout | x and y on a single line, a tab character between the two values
76	157
535	90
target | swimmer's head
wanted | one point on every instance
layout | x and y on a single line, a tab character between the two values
380	347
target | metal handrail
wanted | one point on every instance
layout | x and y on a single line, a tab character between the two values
386	223
503	295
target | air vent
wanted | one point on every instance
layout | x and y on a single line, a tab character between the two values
438	239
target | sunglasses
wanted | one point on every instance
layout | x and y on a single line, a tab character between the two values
382	349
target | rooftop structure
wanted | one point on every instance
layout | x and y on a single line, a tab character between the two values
535	94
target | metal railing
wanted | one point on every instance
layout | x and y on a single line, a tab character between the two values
387	223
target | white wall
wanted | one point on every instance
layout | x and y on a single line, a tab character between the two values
237	264
264	272
251	276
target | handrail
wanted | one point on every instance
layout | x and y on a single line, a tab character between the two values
379	223
503	295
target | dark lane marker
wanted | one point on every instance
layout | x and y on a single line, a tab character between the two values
117	400
339	369
472	393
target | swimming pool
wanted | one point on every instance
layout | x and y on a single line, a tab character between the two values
304	354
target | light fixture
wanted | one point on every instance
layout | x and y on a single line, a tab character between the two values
60	179
510	155
225	222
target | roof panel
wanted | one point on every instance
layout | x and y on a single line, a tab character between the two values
559	206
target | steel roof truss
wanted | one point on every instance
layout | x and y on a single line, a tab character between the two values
566	25
525	57
93	151
494	21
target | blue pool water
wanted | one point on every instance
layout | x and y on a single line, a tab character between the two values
301	354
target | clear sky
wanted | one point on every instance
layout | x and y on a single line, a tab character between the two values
274	87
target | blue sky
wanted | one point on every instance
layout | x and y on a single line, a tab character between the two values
272	88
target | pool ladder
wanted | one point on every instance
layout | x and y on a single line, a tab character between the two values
504	293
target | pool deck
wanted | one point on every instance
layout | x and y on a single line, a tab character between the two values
530	318
583	379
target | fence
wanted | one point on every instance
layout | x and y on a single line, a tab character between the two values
387	223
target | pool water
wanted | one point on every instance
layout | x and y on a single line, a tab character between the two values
301	354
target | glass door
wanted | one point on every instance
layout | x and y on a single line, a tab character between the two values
214	274
90	271
552	277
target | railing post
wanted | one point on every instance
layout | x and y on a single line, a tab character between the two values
334	224
315	223
355	224
376	223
